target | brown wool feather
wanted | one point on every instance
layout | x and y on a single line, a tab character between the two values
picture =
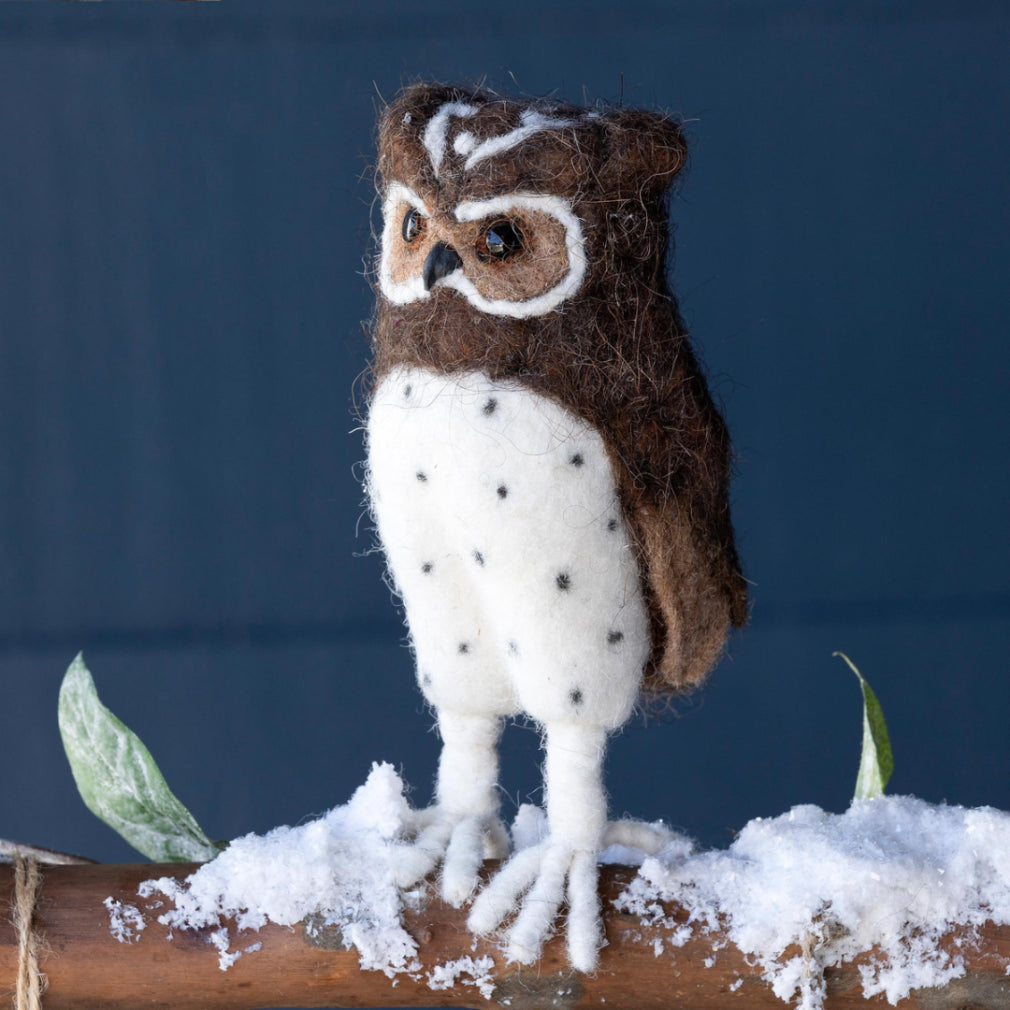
615	353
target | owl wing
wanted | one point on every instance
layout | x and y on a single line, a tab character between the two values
694	594
672	459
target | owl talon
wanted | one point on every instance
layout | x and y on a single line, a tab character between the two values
463	857
497	901
549	874
460	843
413	861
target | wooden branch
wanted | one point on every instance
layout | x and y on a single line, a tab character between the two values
86	967
10	850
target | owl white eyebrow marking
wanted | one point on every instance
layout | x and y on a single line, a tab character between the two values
435	132
530	122
398	191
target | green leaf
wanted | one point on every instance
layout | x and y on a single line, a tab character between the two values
118	779
876	761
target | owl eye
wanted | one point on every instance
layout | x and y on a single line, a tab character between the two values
500	241
413	225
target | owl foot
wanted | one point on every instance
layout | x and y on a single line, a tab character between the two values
460	843
549	874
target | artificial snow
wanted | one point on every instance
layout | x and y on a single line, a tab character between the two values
893	873
529	827
125	921
796	893
336	869
479	970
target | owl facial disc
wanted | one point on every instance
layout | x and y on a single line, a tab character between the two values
548	267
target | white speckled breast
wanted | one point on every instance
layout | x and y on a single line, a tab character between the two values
498	512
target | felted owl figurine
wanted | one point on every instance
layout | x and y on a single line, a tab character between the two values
547	472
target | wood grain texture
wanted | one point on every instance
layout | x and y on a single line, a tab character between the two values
87	968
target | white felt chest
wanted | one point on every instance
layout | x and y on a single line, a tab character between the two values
499	515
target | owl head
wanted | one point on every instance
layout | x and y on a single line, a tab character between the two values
496	211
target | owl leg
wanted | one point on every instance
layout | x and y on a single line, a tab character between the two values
563	866
463	827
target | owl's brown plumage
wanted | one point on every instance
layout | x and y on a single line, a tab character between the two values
614	352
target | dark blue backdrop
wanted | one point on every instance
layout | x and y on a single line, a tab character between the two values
185	203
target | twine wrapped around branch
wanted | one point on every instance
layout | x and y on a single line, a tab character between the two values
31	983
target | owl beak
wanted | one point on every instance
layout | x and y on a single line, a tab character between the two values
441	261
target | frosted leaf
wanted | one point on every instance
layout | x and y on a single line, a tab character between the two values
876	761
119	780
